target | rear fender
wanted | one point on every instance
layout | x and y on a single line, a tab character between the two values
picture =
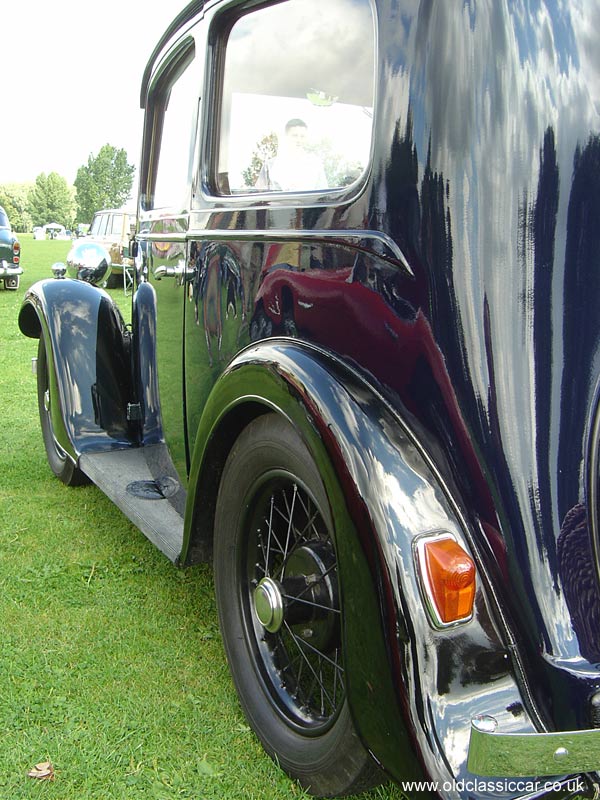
88	352
412	688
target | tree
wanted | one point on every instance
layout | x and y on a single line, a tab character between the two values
13	199
104	182
51	200
266	148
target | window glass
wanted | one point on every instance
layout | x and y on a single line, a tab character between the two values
297	105
172	188
95	224
116	225
103	224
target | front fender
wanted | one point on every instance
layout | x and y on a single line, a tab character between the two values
412	688
88	350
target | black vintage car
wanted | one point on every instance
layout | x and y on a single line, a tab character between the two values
362	376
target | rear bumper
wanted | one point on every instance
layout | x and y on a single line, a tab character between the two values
521	754
544	755
9	270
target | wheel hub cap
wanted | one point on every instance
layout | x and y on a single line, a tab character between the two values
268	604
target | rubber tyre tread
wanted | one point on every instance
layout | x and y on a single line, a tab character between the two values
335	763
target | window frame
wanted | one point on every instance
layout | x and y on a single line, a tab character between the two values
179	58
207	192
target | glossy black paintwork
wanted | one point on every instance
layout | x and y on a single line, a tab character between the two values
89	350
496	207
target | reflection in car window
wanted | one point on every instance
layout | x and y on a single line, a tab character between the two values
291	121
4	223
174	158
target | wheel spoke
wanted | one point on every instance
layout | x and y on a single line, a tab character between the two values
289	530
269	531
299	597
297	640
292	599
293	578
310	520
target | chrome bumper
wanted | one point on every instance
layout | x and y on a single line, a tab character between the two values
9	270
531	754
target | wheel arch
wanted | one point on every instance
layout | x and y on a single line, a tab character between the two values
89	359
326	402
384	491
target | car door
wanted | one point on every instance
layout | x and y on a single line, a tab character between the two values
284	146
163	219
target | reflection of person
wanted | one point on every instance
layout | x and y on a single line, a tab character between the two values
293	168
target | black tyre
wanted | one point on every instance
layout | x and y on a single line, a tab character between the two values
279	610
60	463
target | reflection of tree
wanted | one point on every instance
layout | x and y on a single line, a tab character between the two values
581	342
265	148
216	268
582	300
401	179
578	576
544	231
339	171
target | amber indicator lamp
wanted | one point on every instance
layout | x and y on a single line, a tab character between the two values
447	574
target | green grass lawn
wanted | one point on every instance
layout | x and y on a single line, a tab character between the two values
111	662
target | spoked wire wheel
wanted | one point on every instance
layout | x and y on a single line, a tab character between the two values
290	602
278	598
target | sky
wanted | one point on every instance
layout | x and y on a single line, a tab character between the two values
71	74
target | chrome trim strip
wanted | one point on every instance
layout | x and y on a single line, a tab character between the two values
341	237
348	236
515	755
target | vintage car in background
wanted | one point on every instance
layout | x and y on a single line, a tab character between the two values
10	254
111	229
362	377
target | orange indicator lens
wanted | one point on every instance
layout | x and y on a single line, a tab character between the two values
451	579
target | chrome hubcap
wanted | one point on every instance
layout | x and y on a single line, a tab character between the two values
268	604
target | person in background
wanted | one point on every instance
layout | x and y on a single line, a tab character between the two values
293	168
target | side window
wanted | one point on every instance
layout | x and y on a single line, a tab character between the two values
116	225
297	101
95	227
173	101
103	224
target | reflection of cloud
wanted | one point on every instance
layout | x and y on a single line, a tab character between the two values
586	24
510	78
275	48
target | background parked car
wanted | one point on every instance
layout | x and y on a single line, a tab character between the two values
111	228
10	254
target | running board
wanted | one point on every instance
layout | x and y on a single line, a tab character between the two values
143	483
